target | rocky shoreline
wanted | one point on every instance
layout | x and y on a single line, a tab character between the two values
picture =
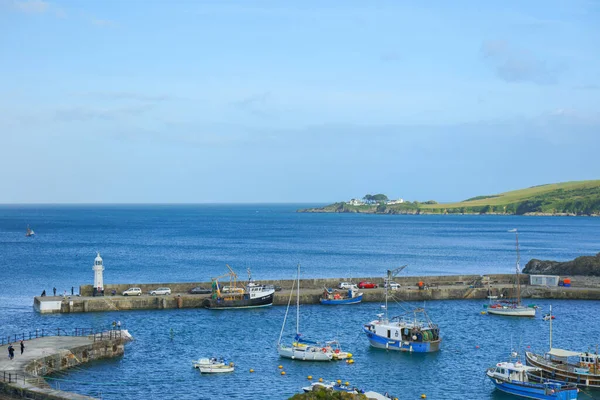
584	266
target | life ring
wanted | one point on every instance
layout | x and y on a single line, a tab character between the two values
337	351
324	350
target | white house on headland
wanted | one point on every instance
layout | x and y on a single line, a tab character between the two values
399	201
356	202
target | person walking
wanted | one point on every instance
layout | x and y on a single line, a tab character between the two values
72	291
22	347
11	352
54	289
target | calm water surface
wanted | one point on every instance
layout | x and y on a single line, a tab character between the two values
192	243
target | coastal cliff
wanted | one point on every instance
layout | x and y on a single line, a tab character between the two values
584	266
581	198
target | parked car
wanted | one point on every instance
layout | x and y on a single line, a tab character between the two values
200	290
367	285
133	291
392	285
161	290
347	285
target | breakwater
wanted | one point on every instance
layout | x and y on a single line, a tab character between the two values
22	377
450	287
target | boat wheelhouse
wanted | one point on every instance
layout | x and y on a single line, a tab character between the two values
333	297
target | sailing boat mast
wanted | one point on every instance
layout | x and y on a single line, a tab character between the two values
518	267
298	303
550	327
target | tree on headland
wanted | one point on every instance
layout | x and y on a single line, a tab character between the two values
377	198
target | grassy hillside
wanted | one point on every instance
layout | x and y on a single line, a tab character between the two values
567	198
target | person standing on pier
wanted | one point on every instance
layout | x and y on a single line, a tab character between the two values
72	290
54	290
11	352
22	347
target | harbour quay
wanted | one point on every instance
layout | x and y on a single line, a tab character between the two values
448	287
49	351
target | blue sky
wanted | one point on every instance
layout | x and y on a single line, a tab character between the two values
312	101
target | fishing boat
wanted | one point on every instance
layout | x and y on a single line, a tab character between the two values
513	378
333	297
29	232
412	332
251	295
301	348
513	308
580	368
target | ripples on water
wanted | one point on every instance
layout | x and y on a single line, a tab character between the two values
192	243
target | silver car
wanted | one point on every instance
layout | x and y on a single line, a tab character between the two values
160	291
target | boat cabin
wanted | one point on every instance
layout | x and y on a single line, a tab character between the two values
404	330
507	371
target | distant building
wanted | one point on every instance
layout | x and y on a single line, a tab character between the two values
543	280
399	201
356	202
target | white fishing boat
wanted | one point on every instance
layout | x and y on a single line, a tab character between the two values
300	348
213	366
513	308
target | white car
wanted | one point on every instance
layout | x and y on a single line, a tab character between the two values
392	285
347	285
133	291
160	290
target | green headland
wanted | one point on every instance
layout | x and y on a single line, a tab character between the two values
566	198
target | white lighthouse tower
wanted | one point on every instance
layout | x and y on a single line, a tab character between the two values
98	268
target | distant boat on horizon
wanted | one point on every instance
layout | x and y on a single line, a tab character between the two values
29	232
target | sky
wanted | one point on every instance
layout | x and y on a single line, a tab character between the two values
298	101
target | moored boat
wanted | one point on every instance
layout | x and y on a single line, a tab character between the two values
512	308
412	332
332	297
513	378
205	362
251	295
580	368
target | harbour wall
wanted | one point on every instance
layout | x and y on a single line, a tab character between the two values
316	283
450	287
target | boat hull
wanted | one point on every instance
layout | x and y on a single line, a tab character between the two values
304	353
334	302
533	391
562	372
513	312
216	369
402	345
236	303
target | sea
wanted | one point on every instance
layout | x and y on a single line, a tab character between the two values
192	243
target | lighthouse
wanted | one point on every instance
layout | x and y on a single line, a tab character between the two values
98	280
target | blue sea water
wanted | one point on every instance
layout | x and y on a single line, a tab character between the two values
193	243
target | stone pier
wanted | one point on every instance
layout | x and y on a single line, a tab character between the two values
22	377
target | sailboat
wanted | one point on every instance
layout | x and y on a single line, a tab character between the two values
412	332
301	349
29	232
513	308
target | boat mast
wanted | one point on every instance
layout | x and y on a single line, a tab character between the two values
518	268
387	287
298	304
550	327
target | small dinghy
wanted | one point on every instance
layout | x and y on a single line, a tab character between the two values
213	366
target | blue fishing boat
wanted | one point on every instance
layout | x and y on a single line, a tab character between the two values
332	297
412	332
513	378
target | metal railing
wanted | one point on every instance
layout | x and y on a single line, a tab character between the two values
98	334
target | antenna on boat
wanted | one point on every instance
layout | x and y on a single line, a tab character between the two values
390	274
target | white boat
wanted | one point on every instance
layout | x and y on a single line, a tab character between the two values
301	349
213	366
29	232
513	308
